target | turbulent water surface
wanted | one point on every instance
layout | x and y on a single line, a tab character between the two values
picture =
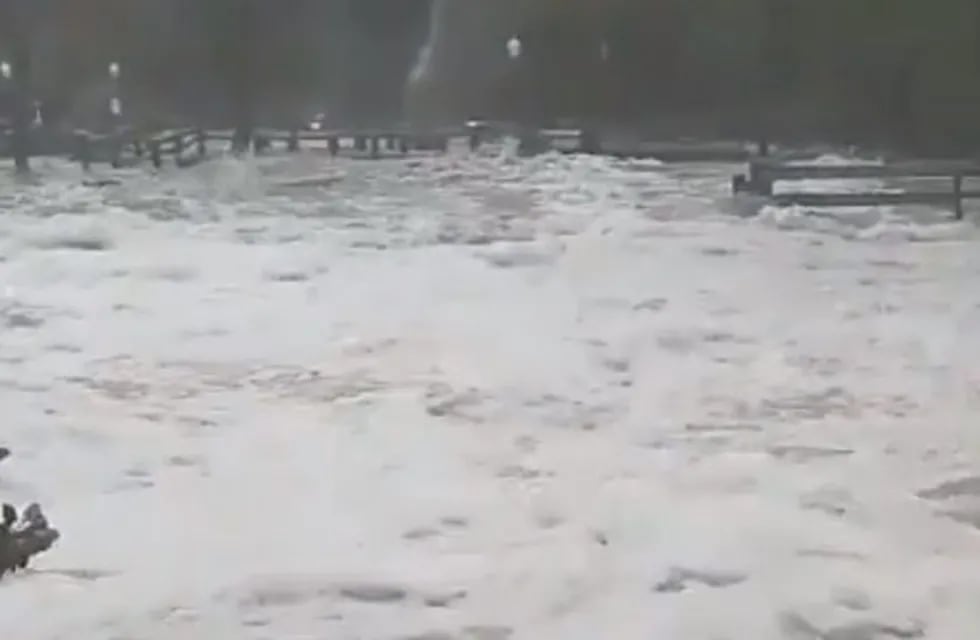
475	397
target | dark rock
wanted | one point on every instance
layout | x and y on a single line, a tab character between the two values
21	320
796	626
442	600
101	182
373	593
679	578
455	522
421	533
21	541
874	631
970	517
651	304
806	453
969	486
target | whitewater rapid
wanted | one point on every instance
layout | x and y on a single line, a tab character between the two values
482	397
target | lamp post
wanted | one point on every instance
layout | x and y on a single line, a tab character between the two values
115	103
6	94
21	27
604	84
514	49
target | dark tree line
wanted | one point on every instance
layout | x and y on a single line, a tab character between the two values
897	71
900	71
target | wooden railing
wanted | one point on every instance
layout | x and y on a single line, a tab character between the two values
189	145
371	142
177	143
130	147
765	173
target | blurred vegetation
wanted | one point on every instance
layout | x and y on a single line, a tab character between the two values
898	71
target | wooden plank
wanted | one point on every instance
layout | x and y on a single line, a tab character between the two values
326	134
678	152
870	199
940	169
561	133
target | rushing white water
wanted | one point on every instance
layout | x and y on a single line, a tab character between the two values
481	397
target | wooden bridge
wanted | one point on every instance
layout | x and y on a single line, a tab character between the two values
189	145
939	183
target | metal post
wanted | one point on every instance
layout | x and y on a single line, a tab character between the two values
21	72
115	102
515	48
245	38
155	156
84	150
958	195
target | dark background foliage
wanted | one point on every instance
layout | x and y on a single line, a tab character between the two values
904	72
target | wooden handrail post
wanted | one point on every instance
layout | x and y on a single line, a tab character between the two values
21	37
760	180
155	156
260	143
84	150
958	195
117	151
763	174
178	147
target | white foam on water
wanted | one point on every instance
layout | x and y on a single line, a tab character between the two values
555	397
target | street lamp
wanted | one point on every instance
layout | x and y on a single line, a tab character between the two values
521	93
115	104
514	48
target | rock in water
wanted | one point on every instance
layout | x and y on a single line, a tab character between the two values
22	540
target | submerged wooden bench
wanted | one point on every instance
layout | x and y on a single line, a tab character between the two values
372	142
764	173
128	146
